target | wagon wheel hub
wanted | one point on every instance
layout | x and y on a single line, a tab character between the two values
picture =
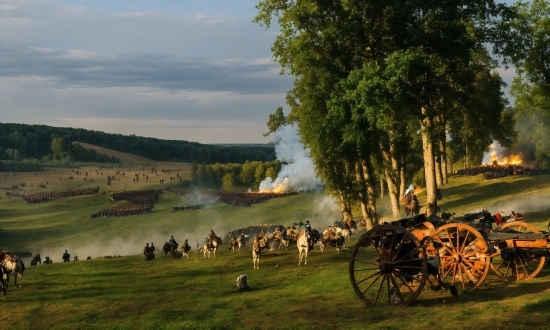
457	258
386	267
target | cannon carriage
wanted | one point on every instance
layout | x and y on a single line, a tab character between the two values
393	262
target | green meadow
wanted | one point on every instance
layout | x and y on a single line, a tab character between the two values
125	292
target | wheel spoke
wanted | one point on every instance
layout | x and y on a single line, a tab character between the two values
466	240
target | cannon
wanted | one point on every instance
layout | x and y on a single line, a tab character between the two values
392	263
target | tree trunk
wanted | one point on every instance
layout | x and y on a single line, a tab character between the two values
429	163
443	152
381	187
402	180
394	200
391	171
344	207
438	174
367	193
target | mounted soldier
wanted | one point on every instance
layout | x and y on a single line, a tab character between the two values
210	237
66	257
173	242
146	249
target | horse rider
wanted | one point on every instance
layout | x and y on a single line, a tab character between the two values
146	249
2	257
211	236
186	246
153	249
411	197
307	227
173	241
66	256
513	217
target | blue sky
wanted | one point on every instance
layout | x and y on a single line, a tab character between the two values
183	70
171	69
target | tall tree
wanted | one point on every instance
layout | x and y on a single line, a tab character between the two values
323	42
525	43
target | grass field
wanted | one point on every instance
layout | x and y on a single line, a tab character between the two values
129	293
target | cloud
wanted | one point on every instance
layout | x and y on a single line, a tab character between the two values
79	68
67	64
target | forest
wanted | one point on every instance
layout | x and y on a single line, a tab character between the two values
44	143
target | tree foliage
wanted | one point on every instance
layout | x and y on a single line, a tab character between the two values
35	141
368	74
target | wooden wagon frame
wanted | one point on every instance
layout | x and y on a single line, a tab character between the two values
391	263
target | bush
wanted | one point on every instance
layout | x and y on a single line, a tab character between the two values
185	183
23	184
14	187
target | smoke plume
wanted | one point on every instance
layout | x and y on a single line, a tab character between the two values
298	172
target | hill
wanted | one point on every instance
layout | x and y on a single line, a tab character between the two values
129	293
124	157
20	141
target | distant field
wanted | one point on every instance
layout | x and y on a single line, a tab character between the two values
125	157
128	293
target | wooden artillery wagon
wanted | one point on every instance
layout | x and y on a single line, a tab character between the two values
392	263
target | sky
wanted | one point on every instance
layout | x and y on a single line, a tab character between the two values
194	70
171	69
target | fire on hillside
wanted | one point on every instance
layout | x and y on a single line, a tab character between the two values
499	155
279	188
510	160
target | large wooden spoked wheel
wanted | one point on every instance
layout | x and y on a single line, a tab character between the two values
519	226
519	263
388	266
463	255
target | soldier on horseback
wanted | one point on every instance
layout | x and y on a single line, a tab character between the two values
153	248
66	257
146	249
186	246
313	239
210	238
173	242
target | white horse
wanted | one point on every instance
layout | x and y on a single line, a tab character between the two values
346	234
216	241
258	245
284	244
303	243
185	248
14	266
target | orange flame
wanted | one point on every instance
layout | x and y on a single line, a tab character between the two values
280	188
511	160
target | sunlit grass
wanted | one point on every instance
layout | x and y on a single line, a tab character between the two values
194	293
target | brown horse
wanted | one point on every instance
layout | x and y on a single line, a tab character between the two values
3	280
260	243
171	248
412	208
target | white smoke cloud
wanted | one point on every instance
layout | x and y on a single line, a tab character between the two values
521	204
496	150
299	172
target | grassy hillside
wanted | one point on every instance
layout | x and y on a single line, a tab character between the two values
129	293
124	157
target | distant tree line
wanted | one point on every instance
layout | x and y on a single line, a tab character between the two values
20	141
232	176
25	166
